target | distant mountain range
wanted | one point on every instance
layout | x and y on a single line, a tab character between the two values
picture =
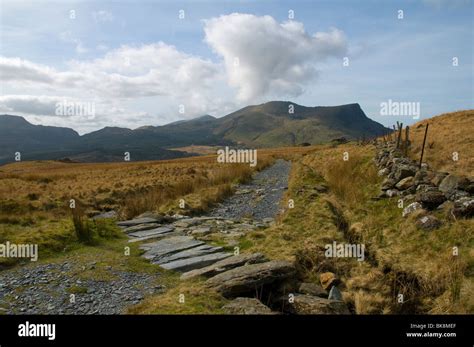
266	125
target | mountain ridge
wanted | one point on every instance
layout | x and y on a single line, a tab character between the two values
271	124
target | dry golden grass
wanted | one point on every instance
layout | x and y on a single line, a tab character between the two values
35	196
202	150
400	258
37	186
447	133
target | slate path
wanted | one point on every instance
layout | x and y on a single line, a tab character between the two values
178	248
260	198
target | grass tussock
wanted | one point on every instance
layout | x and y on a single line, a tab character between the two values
91	232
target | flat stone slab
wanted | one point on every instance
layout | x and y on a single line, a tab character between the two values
246	279
137	221
169	245
196	262
188	253
151	232
225	265
158	236
140	227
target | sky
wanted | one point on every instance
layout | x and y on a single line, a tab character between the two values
133	63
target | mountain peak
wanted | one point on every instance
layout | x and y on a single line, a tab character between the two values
7	119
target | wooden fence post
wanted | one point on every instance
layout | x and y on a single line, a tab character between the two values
423	147
407	140
400	127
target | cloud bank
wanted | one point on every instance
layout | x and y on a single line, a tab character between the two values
256	57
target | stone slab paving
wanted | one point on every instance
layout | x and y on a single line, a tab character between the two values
151	232
178	248
189	253
195	262
140	227
170	245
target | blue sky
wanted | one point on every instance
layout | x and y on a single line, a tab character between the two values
137	61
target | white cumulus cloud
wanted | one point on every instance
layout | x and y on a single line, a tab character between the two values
262	56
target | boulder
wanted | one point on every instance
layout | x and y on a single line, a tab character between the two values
312	289
438	178
328	279
423	177
463	208
452	183
247	279
225	265
405	183
428	222
246	306
388	183
430	198
414	206
392	192
403	170
456	195
307	304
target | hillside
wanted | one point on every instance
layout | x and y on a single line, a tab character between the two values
267	125
18	135
448	133
271	124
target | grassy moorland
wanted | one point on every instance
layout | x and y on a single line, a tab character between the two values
333	201
35	196
400	258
